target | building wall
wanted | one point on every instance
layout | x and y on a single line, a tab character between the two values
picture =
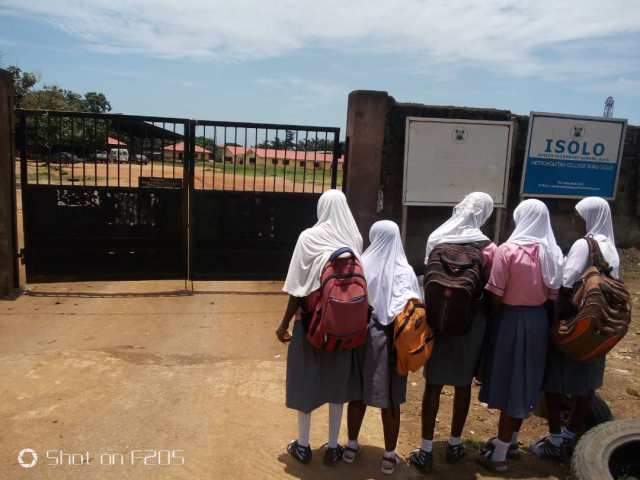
388	177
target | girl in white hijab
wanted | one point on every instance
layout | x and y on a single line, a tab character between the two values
454	360
464	225
317	377
565	376
335	228
391	283
596	214
526	274
533	226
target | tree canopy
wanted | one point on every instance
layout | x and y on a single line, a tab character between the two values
52	97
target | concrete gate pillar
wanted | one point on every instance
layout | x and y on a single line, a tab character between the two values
366	118
9	280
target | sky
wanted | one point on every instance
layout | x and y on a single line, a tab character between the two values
295	61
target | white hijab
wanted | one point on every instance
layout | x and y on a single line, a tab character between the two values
464	225
391	281
533	226
335	229
597	218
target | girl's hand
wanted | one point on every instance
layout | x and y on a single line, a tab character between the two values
283	334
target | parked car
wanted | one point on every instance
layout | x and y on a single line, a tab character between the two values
66	157
119	155
141	159
100	156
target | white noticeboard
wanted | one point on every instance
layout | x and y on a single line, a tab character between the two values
445	159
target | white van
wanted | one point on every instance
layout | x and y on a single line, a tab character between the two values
119	155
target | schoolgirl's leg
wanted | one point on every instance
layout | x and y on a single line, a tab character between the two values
355	416
304	428
299	448
430	407
580	412
422	458
461	404
390	427
334	451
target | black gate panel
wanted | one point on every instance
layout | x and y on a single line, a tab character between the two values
104	196
254	189
119	197
89	233
247	235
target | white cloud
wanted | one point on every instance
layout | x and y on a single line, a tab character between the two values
616	86
522	37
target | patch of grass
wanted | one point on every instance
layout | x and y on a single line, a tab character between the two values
291	172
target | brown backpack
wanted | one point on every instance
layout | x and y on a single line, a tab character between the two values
453	282
412	338
603	306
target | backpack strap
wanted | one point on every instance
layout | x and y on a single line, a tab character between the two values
596	259
341	251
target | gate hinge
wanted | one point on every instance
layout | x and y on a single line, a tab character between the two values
21	255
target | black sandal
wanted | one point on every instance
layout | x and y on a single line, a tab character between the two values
422	460
512	454
455	453
300	453
333	455
349	454
388	465
496	467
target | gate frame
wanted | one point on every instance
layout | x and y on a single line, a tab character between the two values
9	258
188	164
24	181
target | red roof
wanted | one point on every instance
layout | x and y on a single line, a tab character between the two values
179	147
297	155
237	150
115	141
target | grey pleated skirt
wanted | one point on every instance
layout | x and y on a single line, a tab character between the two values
454	360
381	379
315	377
570	377
516	372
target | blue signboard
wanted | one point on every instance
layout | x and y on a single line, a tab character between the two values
572	156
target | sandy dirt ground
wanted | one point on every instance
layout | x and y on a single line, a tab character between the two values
105	377
127	175
94	374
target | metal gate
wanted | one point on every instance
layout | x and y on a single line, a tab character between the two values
249	205
103	196
130	197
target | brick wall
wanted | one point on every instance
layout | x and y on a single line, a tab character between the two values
423	220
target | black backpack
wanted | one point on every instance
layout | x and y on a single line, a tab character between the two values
453	283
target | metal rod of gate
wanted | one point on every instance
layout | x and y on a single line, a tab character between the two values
334	163
189	168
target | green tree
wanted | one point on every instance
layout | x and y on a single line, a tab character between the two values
52	97
96	102
23	82
289	139
47	98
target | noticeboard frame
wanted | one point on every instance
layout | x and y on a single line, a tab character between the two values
507	160
532	116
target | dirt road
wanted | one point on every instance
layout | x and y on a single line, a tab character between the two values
96	378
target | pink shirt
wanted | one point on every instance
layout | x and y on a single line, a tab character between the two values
488	253
516	276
